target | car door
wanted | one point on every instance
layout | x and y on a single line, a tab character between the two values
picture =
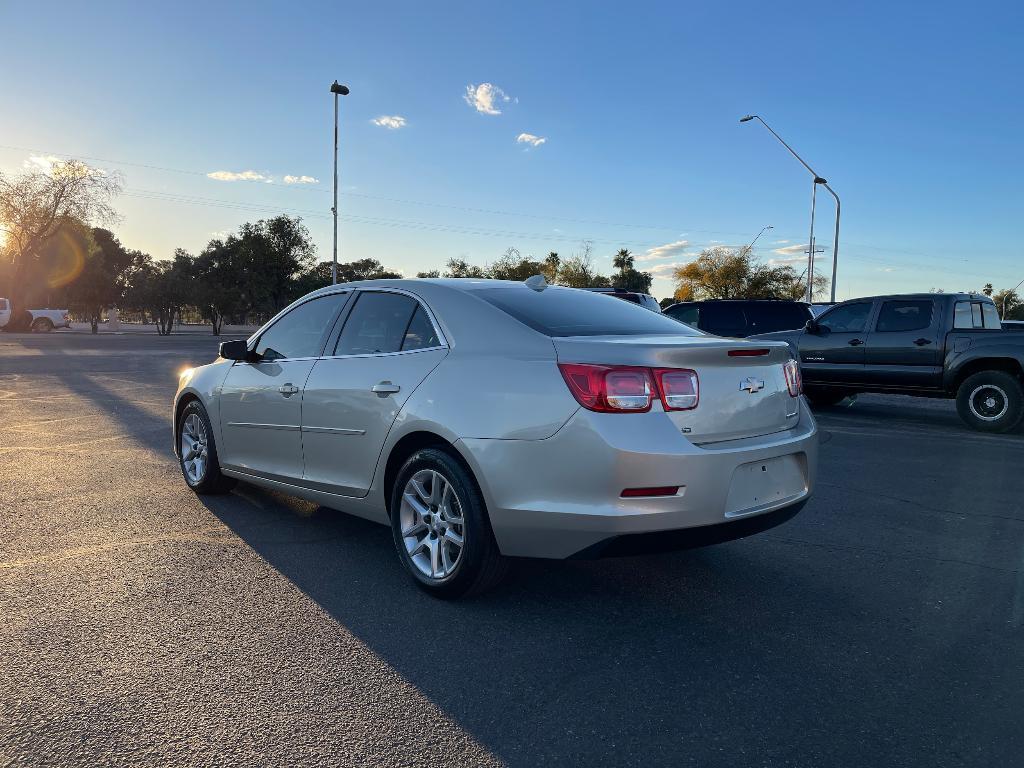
835	352
261	401
388	344
904	350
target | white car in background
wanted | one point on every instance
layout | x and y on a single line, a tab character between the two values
43	320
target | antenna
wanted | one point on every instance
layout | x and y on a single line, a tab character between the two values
536	283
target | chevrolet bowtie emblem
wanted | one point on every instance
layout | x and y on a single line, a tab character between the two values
751	385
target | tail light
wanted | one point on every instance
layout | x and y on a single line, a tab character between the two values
679	388
630	389
794	379
609	388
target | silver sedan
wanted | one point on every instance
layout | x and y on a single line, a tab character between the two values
486	419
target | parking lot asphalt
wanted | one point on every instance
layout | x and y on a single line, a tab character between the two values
140	624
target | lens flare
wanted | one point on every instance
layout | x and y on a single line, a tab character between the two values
68	262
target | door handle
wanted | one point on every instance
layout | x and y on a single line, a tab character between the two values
385	388
922	342
855	342
288	389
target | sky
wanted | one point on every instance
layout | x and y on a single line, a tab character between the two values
472	127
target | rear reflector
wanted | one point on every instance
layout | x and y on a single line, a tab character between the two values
749	352
664	490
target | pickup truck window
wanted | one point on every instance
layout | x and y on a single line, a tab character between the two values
848	318
904	315
976	315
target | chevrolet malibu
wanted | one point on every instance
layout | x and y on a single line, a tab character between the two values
486	419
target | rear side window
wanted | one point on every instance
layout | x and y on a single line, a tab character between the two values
724	319
768	317
420	334
684	313
904	316
558	311
848	318
976	315
377	324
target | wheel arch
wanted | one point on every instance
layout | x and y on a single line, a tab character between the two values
186	398
406	446
1008	365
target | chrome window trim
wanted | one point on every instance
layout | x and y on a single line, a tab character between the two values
295	305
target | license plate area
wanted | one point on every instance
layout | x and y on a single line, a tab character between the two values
760	485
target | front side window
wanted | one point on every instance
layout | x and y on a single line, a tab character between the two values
301	332
380	323
904	316
848	318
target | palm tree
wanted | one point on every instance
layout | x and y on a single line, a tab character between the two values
623	261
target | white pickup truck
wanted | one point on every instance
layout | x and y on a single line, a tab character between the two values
43	320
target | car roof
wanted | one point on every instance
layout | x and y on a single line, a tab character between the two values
741	301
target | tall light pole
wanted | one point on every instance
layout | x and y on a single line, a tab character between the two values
338	90
1007	295
817	180
750	247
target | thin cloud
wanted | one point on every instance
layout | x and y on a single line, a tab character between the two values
665	251
529	138
665	270
391	122
301	180
41	162
486	98
238	176
799	249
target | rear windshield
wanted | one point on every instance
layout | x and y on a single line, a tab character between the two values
559	311
776	316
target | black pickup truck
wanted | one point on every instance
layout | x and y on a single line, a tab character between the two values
949	345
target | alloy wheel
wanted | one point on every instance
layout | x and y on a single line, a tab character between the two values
194	450
988	402
432	524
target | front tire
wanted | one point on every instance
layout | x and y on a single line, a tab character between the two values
991	401
197	452
441	529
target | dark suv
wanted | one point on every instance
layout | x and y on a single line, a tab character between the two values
645	300
740	318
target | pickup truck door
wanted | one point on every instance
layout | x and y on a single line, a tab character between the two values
905	349
835	353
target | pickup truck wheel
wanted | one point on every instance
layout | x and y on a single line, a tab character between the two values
42	325
991	401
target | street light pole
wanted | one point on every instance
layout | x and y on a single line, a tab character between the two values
338	90
810	252
817	180
1006	296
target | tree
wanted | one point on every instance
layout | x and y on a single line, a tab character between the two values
623	261
552	263
431	273
628	278
34	206
162	287
726	273
104	276
987	290
512	266
578	270
460	268
1009	304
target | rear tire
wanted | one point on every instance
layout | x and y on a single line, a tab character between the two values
42	325
441	529
197	452
991	401
823	398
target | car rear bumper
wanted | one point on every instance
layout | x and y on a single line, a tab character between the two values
561	497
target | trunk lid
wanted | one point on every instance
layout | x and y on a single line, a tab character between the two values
739	396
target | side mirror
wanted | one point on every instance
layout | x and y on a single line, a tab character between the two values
812	327
234	350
